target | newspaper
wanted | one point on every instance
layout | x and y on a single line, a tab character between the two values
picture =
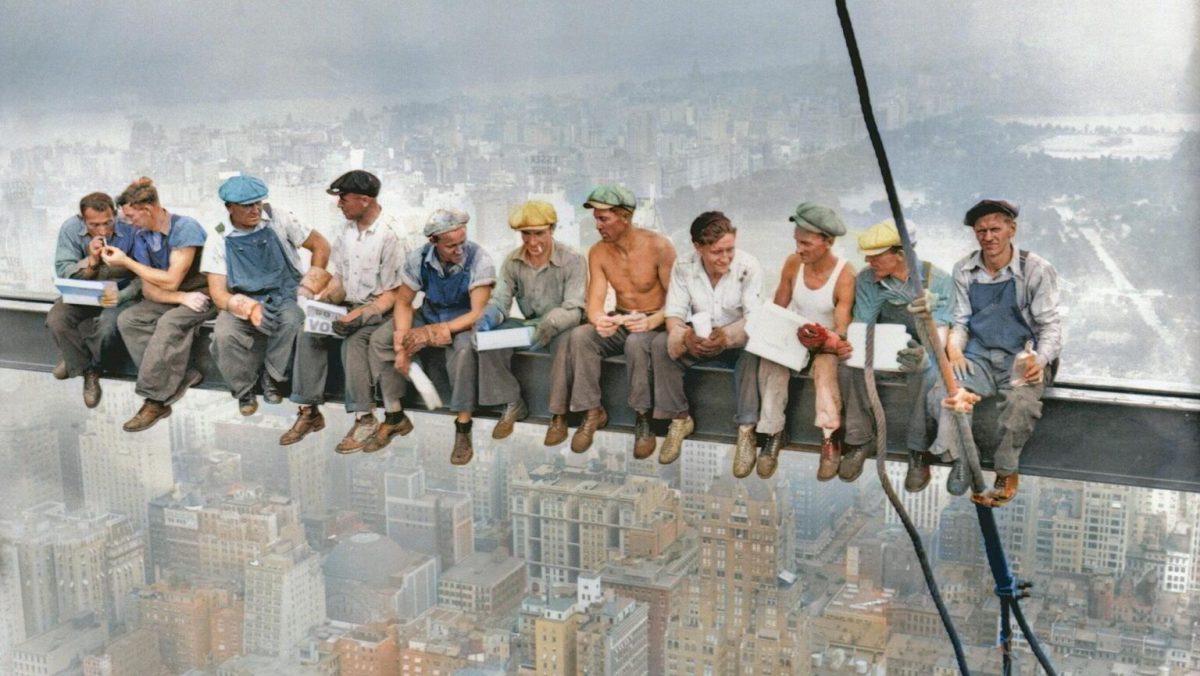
772	332
319	317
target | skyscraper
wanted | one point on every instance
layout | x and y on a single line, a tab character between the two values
285	600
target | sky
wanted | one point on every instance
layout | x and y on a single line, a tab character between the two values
56	54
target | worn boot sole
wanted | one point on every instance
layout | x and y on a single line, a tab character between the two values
375	444
128	428
583	438
504	426
291	436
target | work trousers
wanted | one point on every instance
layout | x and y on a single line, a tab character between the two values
773	380
670	400
1020	408
84	333
461	367
159	338
859	420
497	384
311	367
242	351
588	350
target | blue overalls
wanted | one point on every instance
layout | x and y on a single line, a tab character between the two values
258	267
448	297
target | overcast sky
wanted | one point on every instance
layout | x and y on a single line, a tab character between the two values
53	52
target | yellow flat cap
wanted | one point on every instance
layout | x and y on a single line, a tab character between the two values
882	236
532	215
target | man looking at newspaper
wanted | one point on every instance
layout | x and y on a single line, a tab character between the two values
457	276
547	279
84	332
637	263
819	286
254	278
368	251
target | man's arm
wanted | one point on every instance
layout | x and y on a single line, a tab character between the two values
479	300
319	246
787	280
843	301
597	287
1047	323
218	290
402	316
169	279
67	262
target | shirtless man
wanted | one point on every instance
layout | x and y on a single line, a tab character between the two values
637	263
819	286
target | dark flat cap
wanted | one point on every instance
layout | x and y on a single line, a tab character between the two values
356	182
985	207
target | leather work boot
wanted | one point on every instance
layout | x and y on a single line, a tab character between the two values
463	450
515	411
851	466
60	371
917	477
308	420
385	432
958	482
644	440
91	388
248	404
745	451
270	389
680	429
595	419
150	413
191	379
556	433
364	427
1004	490
831	456
768	459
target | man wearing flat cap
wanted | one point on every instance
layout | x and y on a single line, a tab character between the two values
818	285
1006	330
457	277
369	249
254	277
637	264
547	279
882	295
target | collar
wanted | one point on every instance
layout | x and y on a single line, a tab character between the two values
430	258
557	255
1013	266
370	229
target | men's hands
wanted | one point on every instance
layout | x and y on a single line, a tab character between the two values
923	306
636	322
843	349
111	255
712	346
264	318
490	319
430	334
606	326
346	325
195	301
403	362
812	336
912	358
305	292
961	366
692	342
1035	369
95	250
544	333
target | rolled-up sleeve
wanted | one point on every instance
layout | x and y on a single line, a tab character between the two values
961	312
752	288
410	272
483	272
502	295
679	299
942	286
1043	308
69	260
867	299
574	293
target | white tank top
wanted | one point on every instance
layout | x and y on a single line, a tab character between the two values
816	304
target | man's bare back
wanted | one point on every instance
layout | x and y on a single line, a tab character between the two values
639	274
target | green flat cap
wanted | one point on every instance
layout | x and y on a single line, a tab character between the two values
609	196
819	219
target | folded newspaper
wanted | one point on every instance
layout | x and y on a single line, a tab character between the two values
425	387
319	317
889	339
86	292
772	332
503	338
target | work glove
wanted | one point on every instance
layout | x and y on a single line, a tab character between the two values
430	334
346	327
555	322
961	366
268	318
813	336
313	283
923	305
912	358
490	319
693	343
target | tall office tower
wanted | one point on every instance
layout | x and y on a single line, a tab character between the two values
195	626
924	508
369	578
426	520
489	584
29	455
1107	518
299	471
701	463
1018	528
285	599
135	652
611	639
739	614
566	521
212	537
123	472
554	638
820	506
368	495
660	584
12	622
71	564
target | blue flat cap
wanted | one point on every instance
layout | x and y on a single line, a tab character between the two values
242	189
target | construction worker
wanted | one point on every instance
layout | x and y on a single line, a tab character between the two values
547	279
637	264
159	329
457	277
369	249
818	285
84	333
1005	300
254	278
881	295
724	285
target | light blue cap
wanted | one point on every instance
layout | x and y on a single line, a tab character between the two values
242	189
445	220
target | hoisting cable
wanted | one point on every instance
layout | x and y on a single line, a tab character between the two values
1007	587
